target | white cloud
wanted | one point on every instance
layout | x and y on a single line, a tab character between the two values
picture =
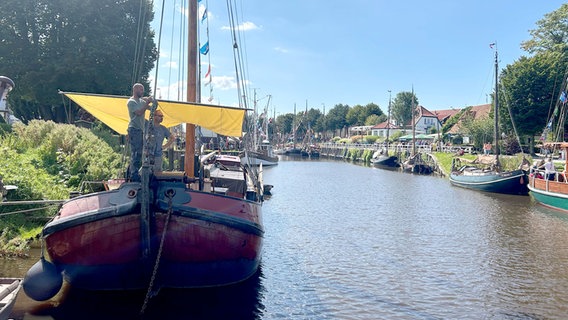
223	82
282	50
245	26
171	64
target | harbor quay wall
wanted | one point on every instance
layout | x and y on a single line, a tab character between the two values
364	152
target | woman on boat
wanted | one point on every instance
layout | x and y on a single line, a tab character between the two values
549	170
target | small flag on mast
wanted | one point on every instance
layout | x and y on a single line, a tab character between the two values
205	48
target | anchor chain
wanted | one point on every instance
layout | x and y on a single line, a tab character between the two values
169	194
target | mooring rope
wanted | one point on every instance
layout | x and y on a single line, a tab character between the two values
170	194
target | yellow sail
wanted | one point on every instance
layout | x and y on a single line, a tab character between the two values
112	111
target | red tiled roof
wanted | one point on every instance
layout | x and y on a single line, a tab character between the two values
444	115
383	125
477	112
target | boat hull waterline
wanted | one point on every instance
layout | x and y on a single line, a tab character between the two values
550	193
509	182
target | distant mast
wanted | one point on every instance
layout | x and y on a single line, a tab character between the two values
496	114
413	124
388	123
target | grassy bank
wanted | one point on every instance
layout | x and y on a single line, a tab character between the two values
46	161
507	162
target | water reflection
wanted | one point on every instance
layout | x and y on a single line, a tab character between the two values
240	301
353	242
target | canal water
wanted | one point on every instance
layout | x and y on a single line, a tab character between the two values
346	241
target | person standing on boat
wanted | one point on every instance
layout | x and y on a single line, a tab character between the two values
160	133
137	106
549	169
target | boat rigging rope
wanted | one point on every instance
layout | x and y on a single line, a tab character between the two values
24	211
238	58
169	194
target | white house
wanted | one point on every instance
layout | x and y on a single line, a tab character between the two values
425	121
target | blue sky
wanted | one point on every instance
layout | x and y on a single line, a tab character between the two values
328	52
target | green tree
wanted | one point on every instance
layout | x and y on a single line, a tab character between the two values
284	123
401	108
478	130
356	115
314	120
73	45
530	89
551	32
373	109
336	117
375	119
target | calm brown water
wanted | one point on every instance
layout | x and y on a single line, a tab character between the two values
345	241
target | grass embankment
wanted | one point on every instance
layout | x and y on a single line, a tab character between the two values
46	161
507	162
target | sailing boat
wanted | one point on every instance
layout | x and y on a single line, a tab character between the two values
485	173
293	150
172	230
415	163
552	191
381	158
262	151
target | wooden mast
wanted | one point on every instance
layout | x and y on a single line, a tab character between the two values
496	114
388	124
189	166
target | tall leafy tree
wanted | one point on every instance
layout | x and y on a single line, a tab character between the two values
284	123
314	116
551	32
531	87
336	117
402	106
356	115
98	46
375	119
373	109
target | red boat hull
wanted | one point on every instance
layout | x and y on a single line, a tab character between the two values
210	240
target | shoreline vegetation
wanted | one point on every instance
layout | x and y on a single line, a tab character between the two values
49	161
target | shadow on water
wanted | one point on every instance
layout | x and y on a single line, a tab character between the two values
239	301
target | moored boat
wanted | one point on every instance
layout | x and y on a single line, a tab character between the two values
485	173
171	230
488	180
264	155
9	288
384	160
381	158
550	190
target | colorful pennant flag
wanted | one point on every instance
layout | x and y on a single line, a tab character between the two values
205	48
563	98
208	71
204	16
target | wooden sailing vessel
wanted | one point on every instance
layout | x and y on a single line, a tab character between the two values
485	174
382	159
415	163
174	230
261	151
552	191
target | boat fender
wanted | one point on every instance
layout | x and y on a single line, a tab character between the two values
42	281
